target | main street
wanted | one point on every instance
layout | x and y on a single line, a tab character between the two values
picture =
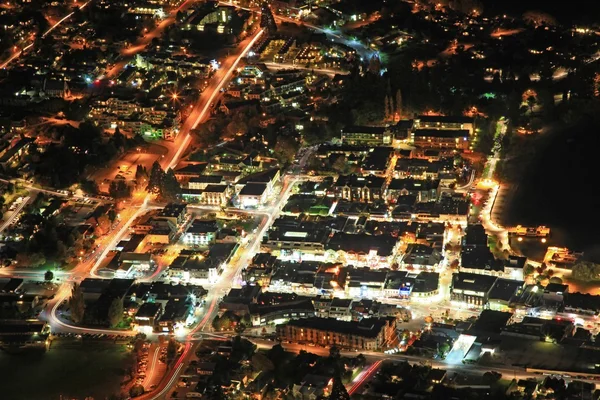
135	209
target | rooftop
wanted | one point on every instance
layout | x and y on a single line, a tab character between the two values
367	327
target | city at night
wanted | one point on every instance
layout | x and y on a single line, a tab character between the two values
299	200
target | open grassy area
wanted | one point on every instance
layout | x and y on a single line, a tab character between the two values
72	373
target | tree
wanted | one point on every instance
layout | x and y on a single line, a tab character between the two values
115	312
172	347
119	189
103	225
531	101
156	179
387	108
399	102
585	271
285	149
375	65
112	215
528	270
260	362
136	390
360	360
443	348
334	352
170	190
76	304
338	391
340	164
49	275
141	176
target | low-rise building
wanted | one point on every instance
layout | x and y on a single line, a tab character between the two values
367	135
148	314
216	195
201	233
368	334
175	213
360	188
421	256
253	195
362	249
471	289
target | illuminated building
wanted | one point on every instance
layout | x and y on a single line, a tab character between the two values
367	334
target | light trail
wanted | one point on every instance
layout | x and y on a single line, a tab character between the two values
151	371
365	375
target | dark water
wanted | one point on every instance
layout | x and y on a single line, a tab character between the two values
562	189
574	11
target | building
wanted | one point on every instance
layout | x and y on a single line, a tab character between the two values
441	139
203	268
423	190
148	314
421	256
368	334
367	135
201	182
555	292
312	387
261	315
253	195
216	195
201	233
175	213
471	289
130	262
504	294
362	249
365	189
444	123
297	241
326	307
365	282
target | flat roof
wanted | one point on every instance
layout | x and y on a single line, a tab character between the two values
475	282
367	327
253	189
441	133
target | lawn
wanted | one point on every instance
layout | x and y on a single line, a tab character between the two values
72	373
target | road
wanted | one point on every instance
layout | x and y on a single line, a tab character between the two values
364	377
29	46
